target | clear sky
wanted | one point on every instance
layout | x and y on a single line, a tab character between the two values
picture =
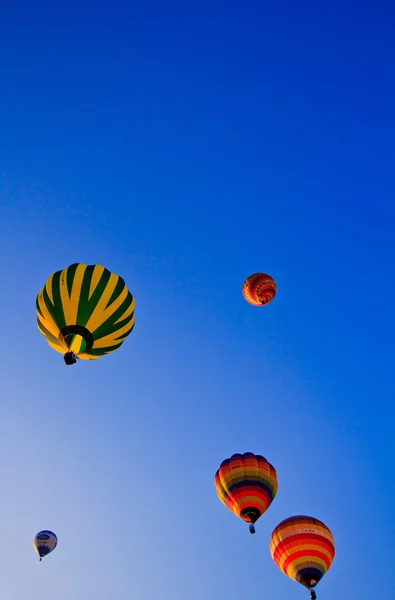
185	146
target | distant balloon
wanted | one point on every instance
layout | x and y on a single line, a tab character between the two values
85	312
259	289
45	542
246	484
303	548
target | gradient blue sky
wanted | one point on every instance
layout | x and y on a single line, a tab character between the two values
185	146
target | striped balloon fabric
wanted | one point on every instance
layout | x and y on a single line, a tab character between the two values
85	310
246	484
259	289
303	548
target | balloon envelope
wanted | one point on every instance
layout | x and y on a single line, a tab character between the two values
86	310
246	484
259	289
303	548
44	542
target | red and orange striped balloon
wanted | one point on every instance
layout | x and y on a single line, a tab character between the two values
303	548
259	289
246	484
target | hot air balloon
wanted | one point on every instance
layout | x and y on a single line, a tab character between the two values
259	289
85	312
303	548
246	484
44	542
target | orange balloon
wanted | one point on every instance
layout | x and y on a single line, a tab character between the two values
259	289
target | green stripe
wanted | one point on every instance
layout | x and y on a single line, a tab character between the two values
84	310
101	351
123	323
70	277
109	325
125	335
117	291
55	309
86	306
70	339
122	337
38	309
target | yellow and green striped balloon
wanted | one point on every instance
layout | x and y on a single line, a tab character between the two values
85	311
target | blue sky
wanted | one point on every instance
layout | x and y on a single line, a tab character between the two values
185	147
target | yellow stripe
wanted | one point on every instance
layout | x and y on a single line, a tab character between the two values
112	338
46	318
70	302
253	499
101	313
96	275
127	313
75	294
222	498
294	567
48	285
300	528
89	357
306	548
86	356
76	344
251	472
57	347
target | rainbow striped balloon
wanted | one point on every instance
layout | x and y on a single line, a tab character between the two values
259	289
246	484
303	548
